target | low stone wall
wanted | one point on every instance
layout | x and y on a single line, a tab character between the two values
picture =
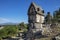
57	38
58	25
14	39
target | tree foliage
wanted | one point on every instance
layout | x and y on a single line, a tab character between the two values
56	15
48	18
23	26
12	30
8	31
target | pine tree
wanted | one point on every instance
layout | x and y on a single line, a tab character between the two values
56	16
48	18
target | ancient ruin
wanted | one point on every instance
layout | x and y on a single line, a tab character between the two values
38	25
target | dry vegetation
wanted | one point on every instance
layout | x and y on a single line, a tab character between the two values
54	32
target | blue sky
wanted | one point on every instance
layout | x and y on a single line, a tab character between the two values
16	10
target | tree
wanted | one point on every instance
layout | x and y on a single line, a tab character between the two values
48	18
22	25
56	15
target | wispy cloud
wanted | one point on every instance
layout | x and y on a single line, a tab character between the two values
4	20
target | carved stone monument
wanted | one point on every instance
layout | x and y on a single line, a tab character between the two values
35	20
35	17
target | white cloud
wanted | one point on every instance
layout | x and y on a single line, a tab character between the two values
4	20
